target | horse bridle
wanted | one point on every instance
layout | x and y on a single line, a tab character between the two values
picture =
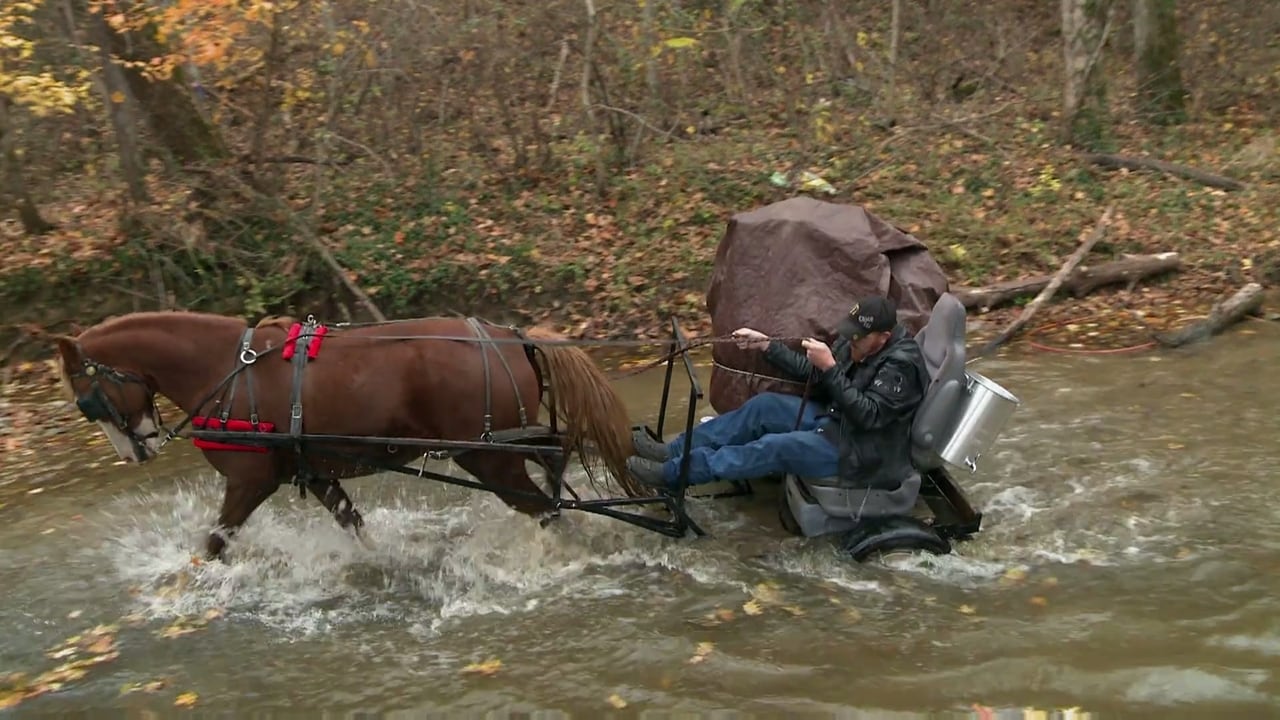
96	406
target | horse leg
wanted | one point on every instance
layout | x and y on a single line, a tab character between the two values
338	503
506	471
244	493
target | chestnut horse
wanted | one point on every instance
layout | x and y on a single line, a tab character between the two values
417	378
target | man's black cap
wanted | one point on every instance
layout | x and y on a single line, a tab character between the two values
868	315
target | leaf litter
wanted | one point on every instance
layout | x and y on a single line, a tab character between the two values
81	652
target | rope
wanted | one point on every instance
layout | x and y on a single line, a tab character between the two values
754	375
1045	347
579	342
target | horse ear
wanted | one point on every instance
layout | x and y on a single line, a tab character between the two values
69	349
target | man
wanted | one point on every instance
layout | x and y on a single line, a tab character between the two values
856	423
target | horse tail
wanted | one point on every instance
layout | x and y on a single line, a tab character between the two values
589	407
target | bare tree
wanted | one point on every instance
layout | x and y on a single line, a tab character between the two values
1085	26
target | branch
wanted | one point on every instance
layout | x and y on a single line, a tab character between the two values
1098	233
1246	301
1182	171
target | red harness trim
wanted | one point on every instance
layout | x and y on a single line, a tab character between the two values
291	342
212	423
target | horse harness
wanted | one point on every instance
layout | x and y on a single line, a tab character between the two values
302	344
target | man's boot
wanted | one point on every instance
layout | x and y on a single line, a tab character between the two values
648	448
647	472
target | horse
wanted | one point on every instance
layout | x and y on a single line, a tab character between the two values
416	378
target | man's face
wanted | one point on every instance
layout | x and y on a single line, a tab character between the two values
867	345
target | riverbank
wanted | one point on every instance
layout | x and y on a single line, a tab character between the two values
453	237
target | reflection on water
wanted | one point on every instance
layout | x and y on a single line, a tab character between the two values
1127	567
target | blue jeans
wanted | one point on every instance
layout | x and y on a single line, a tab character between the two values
757	439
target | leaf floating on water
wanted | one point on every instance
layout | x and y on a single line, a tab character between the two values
700	654
1039	601
617	702
1015	574
10	698
852	615
715	617
1050	582
488	668
752	607
133	619
182	626
1176	446
153	686
767	593
186	699
794	610
1183	553
214	613
967	609
74	614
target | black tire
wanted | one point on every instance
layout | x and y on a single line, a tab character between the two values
893	534
786	518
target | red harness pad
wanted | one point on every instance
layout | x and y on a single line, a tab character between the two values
211	423
291	342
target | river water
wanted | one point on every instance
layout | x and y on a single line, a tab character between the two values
1129	566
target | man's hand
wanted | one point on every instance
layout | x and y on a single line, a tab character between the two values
819	354
749	339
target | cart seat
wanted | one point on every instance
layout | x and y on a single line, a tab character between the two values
942	343
822	505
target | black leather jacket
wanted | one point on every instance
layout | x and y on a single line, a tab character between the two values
870	405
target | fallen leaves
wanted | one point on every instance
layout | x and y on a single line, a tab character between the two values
150	687
81	652
488	668
187	625
701	652
186	699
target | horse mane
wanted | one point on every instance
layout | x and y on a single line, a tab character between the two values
282	322
115	323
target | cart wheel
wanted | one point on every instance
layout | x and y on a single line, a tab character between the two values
892	535
786	518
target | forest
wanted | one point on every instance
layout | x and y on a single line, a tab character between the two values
575	162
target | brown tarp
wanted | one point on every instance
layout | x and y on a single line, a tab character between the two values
793	269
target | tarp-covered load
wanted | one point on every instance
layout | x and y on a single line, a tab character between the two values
793	269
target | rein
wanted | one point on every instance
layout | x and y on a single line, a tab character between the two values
97	406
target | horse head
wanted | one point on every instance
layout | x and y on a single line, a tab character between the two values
120	399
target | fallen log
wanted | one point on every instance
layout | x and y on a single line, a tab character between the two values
1082	281
1182	171
1099	232
1246	301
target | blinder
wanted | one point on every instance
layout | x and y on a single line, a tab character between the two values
97	407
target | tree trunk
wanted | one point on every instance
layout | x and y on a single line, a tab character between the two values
1161	96
14	183
1085	26
167	104
120	105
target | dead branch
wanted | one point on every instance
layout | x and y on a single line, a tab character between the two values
555	79
1246	301
1182	171
1099	231
1082	281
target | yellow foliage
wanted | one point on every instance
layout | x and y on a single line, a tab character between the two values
40	92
